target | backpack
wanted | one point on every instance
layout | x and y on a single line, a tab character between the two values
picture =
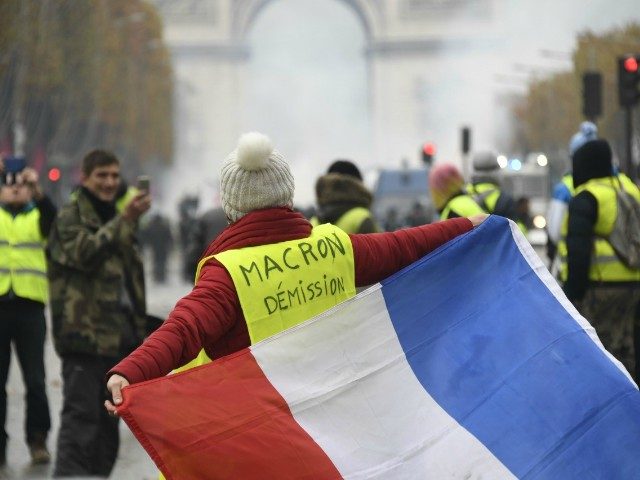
505	206
625	236
481	199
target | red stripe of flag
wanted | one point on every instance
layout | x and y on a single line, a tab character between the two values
222	420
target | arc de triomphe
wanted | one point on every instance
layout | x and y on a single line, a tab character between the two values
404	39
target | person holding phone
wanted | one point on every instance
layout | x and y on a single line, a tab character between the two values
26	215
98	309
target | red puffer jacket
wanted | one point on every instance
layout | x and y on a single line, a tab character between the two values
210	315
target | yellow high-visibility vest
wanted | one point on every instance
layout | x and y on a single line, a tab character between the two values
605	264
23	267
350	220
462	205
491	190
490	194
282	284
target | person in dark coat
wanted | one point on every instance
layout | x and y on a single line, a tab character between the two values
159	238
343	199
598	283
98	310
207	227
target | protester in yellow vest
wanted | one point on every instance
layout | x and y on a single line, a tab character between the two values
343	199
563	191
26	215
269	270
485	189
599	284
446	187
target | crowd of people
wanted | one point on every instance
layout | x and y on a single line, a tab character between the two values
85	262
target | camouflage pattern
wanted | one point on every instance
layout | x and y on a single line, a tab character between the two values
89	267
612	311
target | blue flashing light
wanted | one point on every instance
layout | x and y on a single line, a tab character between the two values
515	164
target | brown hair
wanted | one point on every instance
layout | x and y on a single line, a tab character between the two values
98	158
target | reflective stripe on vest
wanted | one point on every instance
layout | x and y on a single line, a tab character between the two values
462	205
605	264
22	258
283	284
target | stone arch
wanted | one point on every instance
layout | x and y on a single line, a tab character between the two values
244	13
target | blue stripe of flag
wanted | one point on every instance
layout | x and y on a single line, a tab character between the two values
493	346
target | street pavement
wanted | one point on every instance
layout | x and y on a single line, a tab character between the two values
133	462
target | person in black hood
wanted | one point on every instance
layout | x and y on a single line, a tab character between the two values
343	199
600	285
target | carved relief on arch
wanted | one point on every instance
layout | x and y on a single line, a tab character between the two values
369	12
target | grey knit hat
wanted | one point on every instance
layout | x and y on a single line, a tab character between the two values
254	176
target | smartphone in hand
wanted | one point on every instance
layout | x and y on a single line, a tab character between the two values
144	183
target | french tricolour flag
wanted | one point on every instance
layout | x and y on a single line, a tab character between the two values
470	363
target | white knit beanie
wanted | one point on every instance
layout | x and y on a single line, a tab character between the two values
254	176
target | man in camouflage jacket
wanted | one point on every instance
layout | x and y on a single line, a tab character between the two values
97	298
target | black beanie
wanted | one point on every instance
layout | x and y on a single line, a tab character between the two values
345	167
592	160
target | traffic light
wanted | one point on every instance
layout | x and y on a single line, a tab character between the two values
54	174
628	80
428	152
466	140
592	95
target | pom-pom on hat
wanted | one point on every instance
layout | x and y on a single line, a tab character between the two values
254	176
588	131
445	181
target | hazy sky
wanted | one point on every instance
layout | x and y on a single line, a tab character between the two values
307	78
308	84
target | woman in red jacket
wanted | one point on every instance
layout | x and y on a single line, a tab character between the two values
257	196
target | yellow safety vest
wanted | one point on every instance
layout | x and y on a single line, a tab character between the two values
23	266
461	205
350	220
283	284
493	193
605	264
489	201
